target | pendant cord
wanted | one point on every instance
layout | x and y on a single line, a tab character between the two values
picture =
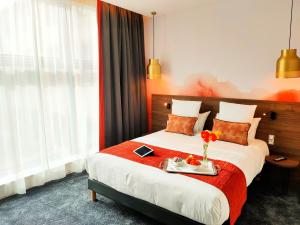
291	22
153	35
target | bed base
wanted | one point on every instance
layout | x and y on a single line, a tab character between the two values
155	212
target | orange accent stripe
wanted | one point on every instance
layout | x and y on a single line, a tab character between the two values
101	81
230	180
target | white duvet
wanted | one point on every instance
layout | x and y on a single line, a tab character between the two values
180	194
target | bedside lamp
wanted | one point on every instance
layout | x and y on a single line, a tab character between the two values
167	105
272	115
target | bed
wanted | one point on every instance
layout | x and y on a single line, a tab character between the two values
170	198
193	200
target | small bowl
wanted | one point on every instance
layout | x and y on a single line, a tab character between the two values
180	164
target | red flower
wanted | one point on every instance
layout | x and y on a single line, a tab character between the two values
205	134
208	136
194	162
206	139
213	137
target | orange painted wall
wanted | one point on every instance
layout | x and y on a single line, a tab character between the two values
224	48
211	87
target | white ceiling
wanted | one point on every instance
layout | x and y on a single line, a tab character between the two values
162	7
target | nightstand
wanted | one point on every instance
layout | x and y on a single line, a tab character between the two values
285	165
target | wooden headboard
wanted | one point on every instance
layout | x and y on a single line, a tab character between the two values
285	127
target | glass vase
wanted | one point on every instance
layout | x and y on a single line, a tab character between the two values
204	161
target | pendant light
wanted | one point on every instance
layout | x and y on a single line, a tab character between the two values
153	68
288	64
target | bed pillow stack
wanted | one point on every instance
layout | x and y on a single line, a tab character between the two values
183	114
236	122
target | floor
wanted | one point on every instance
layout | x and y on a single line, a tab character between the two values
66	202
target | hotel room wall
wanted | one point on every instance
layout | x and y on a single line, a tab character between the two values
225	49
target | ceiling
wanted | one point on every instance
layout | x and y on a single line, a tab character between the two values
162	7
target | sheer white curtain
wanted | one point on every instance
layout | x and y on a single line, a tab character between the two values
48	90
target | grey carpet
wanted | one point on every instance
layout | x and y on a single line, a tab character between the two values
66	202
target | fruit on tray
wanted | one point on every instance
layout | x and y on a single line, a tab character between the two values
188	159
191	160
194	162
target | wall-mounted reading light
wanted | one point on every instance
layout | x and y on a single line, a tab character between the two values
271	115
167	105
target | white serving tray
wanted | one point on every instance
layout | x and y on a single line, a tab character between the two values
170	166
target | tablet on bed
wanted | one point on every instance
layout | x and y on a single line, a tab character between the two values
143	151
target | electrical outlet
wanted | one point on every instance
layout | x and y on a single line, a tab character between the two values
271	139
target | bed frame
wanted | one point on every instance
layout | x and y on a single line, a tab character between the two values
278	118
155	212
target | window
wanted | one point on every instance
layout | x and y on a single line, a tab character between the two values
48	85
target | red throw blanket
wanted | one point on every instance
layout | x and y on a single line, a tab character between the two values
230	180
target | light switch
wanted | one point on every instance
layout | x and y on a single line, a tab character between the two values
271	139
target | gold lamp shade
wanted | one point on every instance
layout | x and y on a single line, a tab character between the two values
288	64
153	69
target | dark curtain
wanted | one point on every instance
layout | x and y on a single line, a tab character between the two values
124	75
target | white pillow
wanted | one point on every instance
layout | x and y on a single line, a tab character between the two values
199	125
185	108
236	112
253	128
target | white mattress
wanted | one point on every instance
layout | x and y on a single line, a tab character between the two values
189	197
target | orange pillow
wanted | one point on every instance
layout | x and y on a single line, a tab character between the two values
232	131
181	124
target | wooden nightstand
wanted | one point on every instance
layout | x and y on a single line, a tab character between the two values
286	166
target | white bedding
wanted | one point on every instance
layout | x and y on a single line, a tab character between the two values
189	197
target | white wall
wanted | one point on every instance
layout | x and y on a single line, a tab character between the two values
234	42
